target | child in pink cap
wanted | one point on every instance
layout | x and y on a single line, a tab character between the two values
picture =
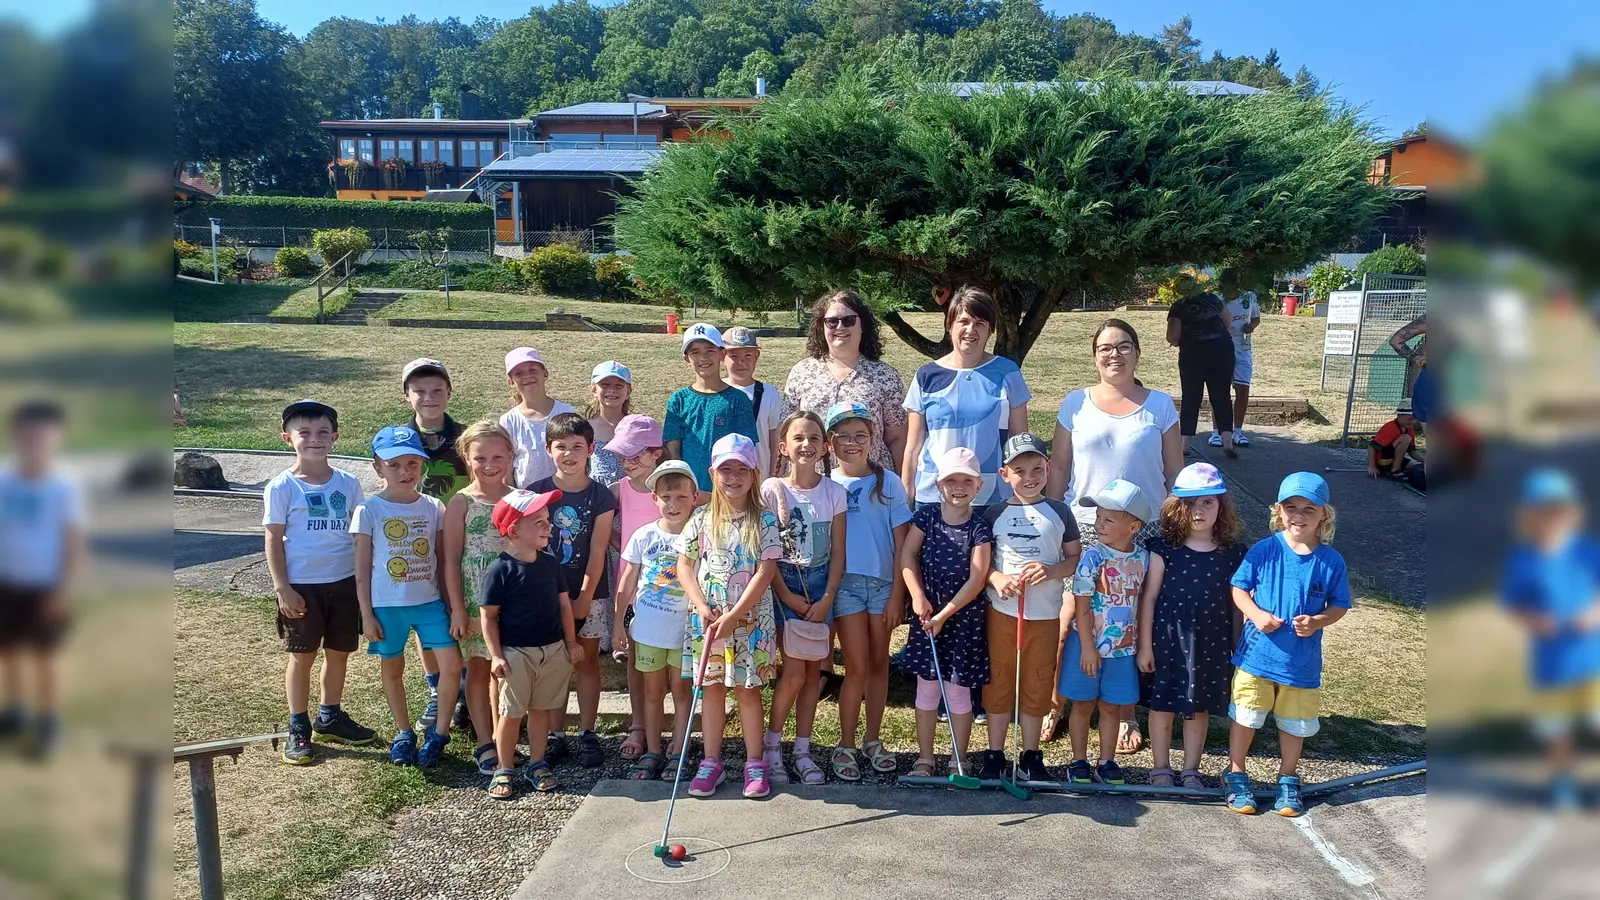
526	422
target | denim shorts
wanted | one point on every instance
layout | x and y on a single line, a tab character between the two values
431	621
861	593
1116	683
816	584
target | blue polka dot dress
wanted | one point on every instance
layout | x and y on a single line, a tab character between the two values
1192	634
946	562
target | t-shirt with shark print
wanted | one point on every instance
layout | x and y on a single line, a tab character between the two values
1031	533
1112	580
444	471
805	519
572	530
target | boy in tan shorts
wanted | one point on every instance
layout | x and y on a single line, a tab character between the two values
533	641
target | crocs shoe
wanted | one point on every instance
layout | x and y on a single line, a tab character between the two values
1289	804
1106	771
403	752
1215	440
756	784
707	777
1241	797
297	749
1079	772
342	729
432	749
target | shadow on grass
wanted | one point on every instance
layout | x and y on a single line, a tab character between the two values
208	378
193	302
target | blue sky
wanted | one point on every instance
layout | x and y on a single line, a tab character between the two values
1453	63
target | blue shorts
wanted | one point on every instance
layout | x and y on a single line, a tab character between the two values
816	584
861	593
431	621
1117	682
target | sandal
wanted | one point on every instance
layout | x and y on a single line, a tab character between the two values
539	775
501	786
845	766
923	768
1051	729
645	768
1129	738
1191	779
634	745
488	760
1161	777
809	771
879	757
669	766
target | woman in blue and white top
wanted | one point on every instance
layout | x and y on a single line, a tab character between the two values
967	398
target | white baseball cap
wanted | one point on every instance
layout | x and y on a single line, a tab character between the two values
958	461
700	331
522	355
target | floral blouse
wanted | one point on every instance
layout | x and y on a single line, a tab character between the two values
873	383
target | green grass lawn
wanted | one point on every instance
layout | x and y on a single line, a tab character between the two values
234	379
484	306
109	374
196	302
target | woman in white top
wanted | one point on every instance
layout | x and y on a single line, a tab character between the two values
1115	429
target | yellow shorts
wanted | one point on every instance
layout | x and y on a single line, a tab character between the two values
1296	709
1556	712
653	659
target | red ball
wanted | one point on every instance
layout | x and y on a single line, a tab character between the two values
679	851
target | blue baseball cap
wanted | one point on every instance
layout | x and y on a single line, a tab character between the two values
1309	485
700	331
1124	496
1198	480
845	410
1549	485
396	441
610	369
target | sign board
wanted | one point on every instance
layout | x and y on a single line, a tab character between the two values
1344	307
1338	343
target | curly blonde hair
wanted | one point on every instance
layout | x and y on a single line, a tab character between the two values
1176	525
1324	530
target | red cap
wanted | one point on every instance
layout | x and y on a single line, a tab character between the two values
517	504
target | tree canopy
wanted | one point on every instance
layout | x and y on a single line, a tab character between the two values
1028	194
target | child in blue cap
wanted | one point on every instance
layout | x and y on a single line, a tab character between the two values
1551	582
1290	587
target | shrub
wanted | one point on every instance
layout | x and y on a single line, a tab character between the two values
405	273
293	262
186	249
1394	259
559	269
613	277
318	212
497	277
228	260
1325	278
334	243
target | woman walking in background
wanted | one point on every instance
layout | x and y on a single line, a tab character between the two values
1198	326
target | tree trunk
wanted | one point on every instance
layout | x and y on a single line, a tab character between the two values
919	343
222	178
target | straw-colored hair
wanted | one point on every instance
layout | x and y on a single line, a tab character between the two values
1324	529
722	513
1176	524
479	430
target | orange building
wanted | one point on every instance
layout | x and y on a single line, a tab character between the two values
1416	161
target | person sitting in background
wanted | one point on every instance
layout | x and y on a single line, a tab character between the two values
1393	452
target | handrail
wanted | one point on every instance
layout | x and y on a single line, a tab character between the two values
324	290
468	183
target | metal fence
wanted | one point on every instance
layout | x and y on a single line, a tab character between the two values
1376	378
386	241
1383	235
582	238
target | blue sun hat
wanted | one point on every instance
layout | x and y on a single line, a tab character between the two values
1198	480
845	410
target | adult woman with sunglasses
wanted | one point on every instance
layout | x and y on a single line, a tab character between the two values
842	364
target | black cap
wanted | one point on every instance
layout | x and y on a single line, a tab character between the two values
311	409
1026	442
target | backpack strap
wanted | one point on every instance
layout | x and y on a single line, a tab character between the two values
761	387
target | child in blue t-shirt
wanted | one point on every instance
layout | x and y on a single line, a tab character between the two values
1551	582
1290	587
702	413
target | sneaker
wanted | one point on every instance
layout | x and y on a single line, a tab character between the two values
11	721
430	713
403	752
461	720
1030	766
342	729
1078	772
1239	440
432	749
590	755
1241	797
756	784
992	764
297	749
1289	803
773	757
707	777
1215	440
555	749
980	717
1106	771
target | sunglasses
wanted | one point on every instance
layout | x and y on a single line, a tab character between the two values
841	321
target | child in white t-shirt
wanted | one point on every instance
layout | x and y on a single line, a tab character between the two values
660	612
743	354
312	560
398	561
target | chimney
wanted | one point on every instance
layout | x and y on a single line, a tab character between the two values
761	86
469	103
438	111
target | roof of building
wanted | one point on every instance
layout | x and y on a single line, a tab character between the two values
421	124
574	164
191	191
598	110
1208	88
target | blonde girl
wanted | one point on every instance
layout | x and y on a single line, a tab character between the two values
731	547
471	543
610	399
870	600
526	422
811	517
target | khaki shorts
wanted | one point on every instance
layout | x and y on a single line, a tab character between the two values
1296	709
536	678
1039	640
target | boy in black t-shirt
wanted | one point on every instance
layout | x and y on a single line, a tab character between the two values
532	638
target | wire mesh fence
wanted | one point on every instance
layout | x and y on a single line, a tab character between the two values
394	241
1375	376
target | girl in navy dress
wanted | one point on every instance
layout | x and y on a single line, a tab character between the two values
1187	634
945	564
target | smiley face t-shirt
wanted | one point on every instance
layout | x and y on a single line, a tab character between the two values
404	548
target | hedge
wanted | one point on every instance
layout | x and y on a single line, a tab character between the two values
318	212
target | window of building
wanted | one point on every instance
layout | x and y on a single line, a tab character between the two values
628	141
408	150
347	148
430	152
386	149
485	152
575	141
447	152
365	146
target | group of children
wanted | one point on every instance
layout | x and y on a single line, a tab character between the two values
494	544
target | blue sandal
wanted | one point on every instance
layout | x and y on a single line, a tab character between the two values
432	749
403	752
539	775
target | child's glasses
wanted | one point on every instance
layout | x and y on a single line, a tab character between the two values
851	439
841	321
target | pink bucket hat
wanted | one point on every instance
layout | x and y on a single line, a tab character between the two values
634	435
